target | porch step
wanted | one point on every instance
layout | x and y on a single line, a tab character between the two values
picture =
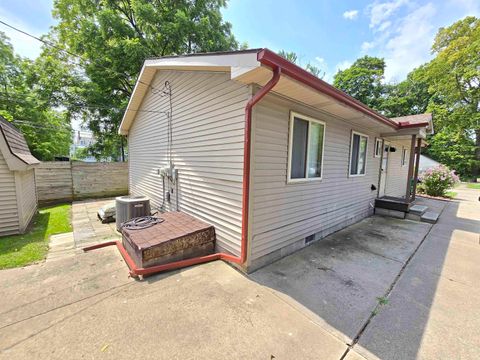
430	217
416	211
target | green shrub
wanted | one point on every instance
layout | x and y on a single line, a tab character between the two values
436	181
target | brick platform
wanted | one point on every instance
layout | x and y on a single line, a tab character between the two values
178	237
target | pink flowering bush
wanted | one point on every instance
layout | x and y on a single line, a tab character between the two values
436	181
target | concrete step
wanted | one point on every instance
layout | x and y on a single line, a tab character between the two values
430	217
418	209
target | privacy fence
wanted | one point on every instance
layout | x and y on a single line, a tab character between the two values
59	181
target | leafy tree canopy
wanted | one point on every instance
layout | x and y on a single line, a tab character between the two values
24	100
113	38
363	80
454	84
448	87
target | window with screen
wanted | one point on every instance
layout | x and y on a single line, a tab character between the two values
358	154
307	138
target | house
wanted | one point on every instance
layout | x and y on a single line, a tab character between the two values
269	154
427	163
18	198
82	139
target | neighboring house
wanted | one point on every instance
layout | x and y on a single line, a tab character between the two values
18	198
427	163
269	154
82	139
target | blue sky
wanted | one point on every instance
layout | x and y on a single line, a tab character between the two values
330	34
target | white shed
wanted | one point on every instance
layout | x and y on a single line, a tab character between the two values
18	198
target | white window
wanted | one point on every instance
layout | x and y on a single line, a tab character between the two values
404	156
305	152
358	154
378	148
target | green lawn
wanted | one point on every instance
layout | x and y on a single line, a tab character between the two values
451	194
20	250
473	186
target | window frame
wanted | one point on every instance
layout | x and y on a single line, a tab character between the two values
351	153
310	119
375	155
403	160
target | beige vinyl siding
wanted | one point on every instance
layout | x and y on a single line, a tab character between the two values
284	214
208	130
8	200
27	197
396	182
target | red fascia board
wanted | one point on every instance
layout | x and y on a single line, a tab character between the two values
272	60
407	125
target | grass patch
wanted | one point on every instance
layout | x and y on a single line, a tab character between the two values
20	250
473	186
451	194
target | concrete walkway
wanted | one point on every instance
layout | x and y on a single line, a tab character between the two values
87	229
433	311
383	288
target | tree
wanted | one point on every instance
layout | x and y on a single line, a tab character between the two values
289	55
112	39
25	102
454	78
363	81
409	97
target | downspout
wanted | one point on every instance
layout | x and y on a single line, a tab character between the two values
246	156
135	271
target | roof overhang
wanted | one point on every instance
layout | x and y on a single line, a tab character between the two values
256	67
235	63
406	133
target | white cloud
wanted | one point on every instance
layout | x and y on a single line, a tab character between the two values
410	45
23	44
351	14
343	65
381	11
384	26
367	46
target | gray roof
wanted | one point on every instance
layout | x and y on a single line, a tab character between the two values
16	142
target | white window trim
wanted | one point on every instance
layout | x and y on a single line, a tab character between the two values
351	151
375	155
293	115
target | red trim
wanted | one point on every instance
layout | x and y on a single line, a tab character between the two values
135	271
270	59
407	125
246	156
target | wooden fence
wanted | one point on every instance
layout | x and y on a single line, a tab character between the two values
59	181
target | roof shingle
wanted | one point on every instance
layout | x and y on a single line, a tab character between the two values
16	142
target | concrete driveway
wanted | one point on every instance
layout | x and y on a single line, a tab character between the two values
383	288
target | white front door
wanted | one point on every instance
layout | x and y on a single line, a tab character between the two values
383	169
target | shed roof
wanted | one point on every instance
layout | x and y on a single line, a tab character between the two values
16	142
